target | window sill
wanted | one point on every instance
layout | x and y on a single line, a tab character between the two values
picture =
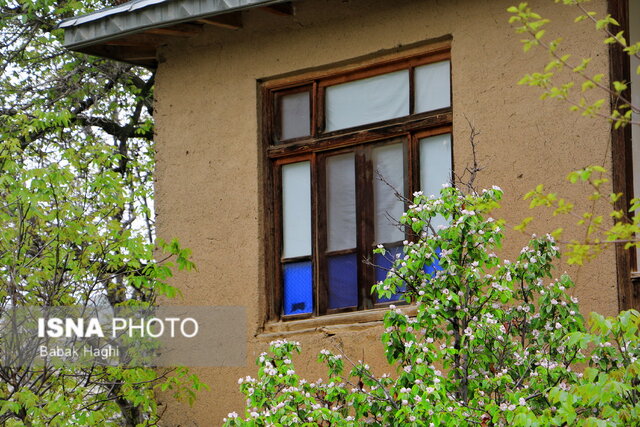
330	322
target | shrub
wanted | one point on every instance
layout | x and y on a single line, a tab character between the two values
493	342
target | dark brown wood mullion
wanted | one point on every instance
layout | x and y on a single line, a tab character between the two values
382	130
411	90
321	277
270	206
296	259
414	165
268	117
388	245
399	125
341	310
297	316
278	291
364	215
320	109
314	98
276	122
453	158
314	231
406	162
622	163
342	252
360	232
413	178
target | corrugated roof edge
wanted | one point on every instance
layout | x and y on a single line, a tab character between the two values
138	15
93	16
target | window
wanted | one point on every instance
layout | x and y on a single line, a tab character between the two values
343	147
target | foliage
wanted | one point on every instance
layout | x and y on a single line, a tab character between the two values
531	25
590	97
493	342
76	221
597	233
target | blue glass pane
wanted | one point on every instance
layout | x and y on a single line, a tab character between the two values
298	293
384	264
431	269
343	281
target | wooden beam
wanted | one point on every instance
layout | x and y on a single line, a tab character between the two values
139	55
134	53
282	9
139	58
179	30
138	40
231	20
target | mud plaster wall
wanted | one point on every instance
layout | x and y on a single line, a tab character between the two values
208	169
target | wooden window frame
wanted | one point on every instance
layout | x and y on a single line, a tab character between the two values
320	145
628	279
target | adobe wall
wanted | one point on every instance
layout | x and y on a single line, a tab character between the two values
209	160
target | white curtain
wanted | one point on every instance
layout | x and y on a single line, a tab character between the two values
432	86
368	100
296	209
295	115
341	202
435	167
388	162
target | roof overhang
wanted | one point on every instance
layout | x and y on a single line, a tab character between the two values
131	32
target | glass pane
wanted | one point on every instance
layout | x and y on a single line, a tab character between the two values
435	167
383	265
368	100
295	115
341	202
385	262
432	86
298	293
388	164
431	269
296	209
435	163
343	281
